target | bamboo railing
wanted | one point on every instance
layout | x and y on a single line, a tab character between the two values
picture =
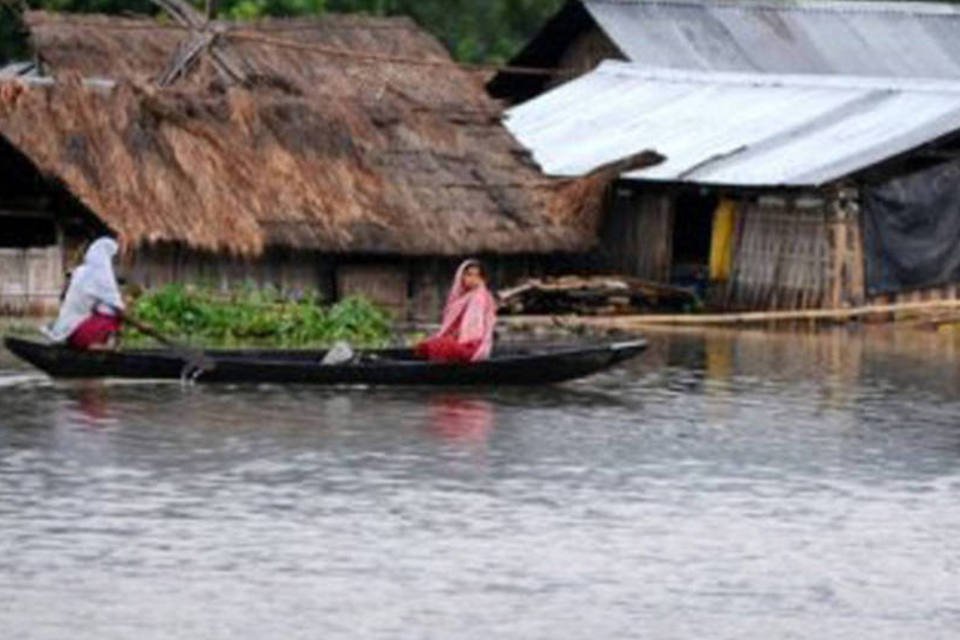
633	322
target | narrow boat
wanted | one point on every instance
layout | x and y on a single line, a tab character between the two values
511	365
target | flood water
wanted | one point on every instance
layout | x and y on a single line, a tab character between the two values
725	485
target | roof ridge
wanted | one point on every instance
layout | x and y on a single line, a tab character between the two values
761	78
911	7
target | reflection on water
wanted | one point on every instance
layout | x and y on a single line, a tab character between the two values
88	407
461	419
726	485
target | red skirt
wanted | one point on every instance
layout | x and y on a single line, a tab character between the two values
446	349
97	329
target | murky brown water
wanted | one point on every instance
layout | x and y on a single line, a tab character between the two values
724	486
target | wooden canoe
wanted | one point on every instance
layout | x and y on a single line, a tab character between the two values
521	365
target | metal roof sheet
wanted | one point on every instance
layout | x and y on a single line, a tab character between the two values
18	70
907	39
733	129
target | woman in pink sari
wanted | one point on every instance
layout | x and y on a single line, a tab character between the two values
466	334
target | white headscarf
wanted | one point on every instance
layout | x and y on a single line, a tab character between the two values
91	283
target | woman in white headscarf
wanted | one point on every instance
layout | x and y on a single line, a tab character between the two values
90	313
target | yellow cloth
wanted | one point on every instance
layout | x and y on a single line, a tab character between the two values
721	243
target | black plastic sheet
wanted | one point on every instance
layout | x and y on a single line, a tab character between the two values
912	230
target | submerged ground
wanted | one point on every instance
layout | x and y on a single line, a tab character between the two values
726	485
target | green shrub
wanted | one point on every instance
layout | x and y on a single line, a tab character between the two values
13	33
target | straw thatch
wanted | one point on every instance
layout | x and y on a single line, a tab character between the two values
317	151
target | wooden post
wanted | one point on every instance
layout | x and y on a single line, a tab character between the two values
853	287
838	269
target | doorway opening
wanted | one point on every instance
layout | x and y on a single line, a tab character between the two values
27	231
692	233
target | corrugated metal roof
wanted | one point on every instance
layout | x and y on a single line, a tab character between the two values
905	39
28	73
733	128
18	70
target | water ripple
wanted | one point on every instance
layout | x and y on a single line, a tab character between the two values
724	486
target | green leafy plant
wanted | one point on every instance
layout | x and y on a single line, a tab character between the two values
260	317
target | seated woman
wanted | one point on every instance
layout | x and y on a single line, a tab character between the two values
90	315
466	333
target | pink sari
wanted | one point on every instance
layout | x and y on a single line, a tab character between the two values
466	333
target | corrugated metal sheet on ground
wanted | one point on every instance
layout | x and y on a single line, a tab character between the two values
732	128
906	39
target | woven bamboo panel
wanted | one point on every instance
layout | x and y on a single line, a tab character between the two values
638	235
30	280
290	272
782	258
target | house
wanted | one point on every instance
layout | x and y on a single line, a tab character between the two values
353	156
820	37
801	169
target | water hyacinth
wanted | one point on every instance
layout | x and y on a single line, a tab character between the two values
260	317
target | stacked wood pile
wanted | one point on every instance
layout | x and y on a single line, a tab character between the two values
594	295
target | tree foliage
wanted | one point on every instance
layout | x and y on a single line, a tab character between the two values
487	30
13	40
473	30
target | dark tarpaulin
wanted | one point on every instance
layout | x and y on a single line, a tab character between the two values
912	230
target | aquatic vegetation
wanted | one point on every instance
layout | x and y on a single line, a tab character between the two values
261	317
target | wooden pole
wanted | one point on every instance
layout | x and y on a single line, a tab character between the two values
627	322
838	273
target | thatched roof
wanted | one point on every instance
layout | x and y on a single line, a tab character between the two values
322	151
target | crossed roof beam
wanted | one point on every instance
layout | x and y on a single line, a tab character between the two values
206	37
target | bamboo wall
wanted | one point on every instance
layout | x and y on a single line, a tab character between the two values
429	279
789	251
915	296
784	248
637	235
807	253
782	255
942	292
30	280
293	273
384	283
413	288
31	246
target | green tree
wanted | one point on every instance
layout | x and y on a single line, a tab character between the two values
473	30
13	35
95	6
250	9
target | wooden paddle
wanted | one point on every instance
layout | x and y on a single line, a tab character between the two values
196	360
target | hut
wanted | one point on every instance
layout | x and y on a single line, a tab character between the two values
803	167
340	155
